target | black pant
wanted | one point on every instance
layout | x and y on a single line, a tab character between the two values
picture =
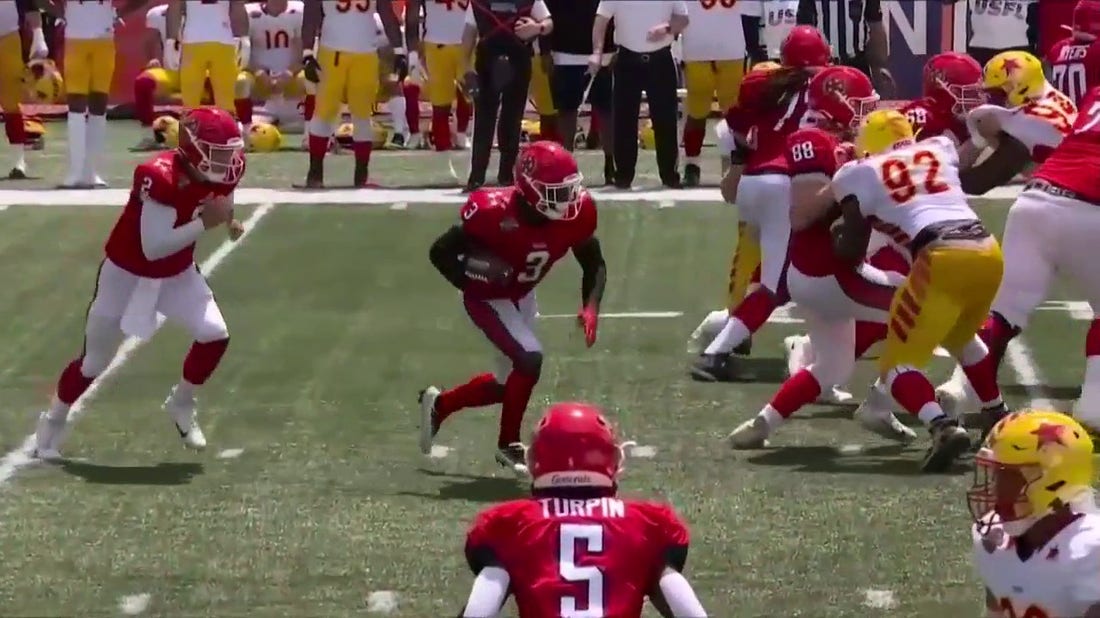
503	82
655	73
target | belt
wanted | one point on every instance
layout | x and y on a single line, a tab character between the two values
645	56
961	229
1038	184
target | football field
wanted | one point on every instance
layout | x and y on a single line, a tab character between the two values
313	499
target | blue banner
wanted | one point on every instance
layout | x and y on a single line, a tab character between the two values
917	31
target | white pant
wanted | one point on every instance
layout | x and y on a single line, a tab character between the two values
1046	234
764	203
509	326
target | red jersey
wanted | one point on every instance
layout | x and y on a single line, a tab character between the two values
492	219
163	180
765	127
813	151
1074	67
603	555
1072	164
931	120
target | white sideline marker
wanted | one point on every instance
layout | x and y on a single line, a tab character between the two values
382	602
879	599
20	457
850	449
643	451
640	315
399	206
230	453
134	604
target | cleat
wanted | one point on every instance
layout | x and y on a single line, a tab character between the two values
692	175
990	417
514	457
707	330
744	349
955	396
17	173
183	414
752	434
882	422
429	426
949	440
396	141
473	185
48	434
74	181
798	352
460	142
416	142
834	395
713	368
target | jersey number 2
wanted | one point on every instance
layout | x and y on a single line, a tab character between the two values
897	176
592	536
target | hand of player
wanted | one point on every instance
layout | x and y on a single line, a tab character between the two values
235	229
845	152
588	319
310	67
153	64
216	211
527	28
595	61
470	84
414	63
657	33
884	82
400	64
985	128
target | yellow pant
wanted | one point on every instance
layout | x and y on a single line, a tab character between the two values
444	64
743	263
258	88
540	89
89	65
168	81
944	301
11	71
709	79
346	77
216	60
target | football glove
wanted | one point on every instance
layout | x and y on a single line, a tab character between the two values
244	51
310	67
400	63
470	85
39	49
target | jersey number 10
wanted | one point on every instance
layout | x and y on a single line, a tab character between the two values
592	537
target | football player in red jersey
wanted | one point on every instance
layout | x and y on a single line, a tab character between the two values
574	547
1075	60
149	269
771	106
844	304
952	87
520	232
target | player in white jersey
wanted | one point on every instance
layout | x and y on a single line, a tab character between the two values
273	76
777	17
212	42
155	83
444	21
1036	526
346	69
911	191
11	75
1032	122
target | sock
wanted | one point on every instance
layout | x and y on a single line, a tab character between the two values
411	92
867	335
798	390
693	142
308	105
362	151
996	333
481	390
517	392
243	108
78	135
72	384
185	390
913	392
397	108
441	128
17	137
463	112
977	364
1092	340
202	359
96	135
319	138
746	319
145	91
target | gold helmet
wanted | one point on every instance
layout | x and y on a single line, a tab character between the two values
1030	464
529	130
1014	77
43	82
166	131
646	138
264	137
345	135
882	130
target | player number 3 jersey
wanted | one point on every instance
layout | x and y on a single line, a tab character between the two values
903	191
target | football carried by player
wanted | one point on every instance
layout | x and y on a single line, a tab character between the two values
506	241
574	547
150	269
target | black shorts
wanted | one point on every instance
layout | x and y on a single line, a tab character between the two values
568	83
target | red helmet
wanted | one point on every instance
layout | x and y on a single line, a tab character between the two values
954	81
842	95
805	46
547	176
1086	20
210	140
574	446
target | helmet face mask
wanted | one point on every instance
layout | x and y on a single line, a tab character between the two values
954	81
842	96
1001	489
548	178
210	141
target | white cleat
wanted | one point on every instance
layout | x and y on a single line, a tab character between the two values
427	418
797	348
882	422
416	142
48	434
95	181
752	434
955	396
182	412
461	142
74	181
834	395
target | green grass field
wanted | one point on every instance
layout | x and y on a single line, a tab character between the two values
313	499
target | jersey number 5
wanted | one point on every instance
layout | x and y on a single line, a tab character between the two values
901	177
592	536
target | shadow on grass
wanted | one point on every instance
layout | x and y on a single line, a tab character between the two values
161	474
889	460
471	487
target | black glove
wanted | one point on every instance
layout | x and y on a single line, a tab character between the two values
400	65
470	85
310	67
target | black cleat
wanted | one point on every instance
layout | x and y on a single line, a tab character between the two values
949	441
473	185
991	416
713	368
692	175
513	457
745	349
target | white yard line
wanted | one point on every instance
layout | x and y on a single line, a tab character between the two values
1028	374
19	458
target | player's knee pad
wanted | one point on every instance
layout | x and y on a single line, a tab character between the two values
529	363
102	336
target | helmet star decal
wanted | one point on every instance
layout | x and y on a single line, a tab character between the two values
1049	433
1011	65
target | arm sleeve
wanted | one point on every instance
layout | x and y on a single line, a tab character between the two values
750	26
539	11
159	235
680	596
489	592
1032	19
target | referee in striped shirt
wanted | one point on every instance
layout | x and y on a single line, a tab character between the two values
857	33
